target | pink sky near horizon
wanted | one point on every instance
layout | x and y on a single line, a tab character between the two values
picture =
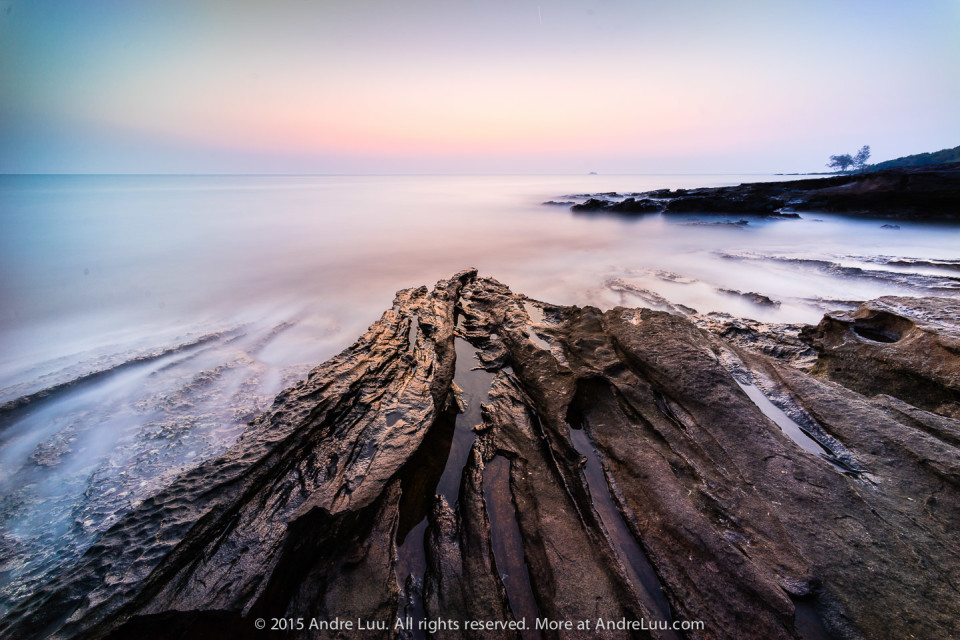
458	86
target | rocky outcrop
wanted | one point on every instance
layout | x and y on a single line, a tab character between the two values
904	347
626	206
725	202
780	341
920	193
480	456
752	296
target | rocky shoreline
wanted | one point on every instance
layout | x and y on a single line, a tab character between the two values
481	456
929	193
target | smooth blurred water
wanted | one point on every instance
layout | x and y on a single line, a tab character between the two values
275	274
92	261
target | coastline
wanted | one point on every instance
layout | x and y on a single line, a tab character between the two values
154	567
737	517
930	193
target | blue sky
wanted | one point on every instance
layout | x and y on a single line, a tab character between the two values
472	87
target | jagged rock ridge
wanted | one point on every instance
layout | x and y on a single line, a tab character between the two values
617	466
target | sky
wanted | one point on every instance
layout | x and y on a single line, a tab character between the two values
472	86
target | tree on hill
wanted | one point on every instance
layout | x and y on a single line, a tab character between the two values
841	162
860	160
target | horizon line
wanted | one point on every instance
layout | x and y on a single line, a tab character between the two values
334	175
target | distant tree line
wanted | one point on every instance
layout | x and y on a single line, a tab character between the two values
921	159
843	162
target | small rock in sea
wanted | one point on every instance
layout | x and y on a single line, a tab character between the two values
753	296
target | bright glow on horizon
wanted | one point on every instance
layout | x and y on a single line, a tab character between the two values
462	86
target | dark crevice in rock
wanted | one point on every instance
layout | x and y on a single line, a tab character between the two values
473	383
881	327
436	469
412	333
421	476
418	481
808	622
876	335
507	543
632	558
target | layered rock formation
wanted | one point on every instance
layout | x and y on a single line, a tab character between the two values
898	346
479	456
919	193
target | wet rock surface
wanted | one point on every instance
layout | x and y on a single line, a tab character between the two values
920	193
617	465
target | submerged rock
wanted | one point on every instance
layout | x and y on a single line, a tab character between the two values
644	477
